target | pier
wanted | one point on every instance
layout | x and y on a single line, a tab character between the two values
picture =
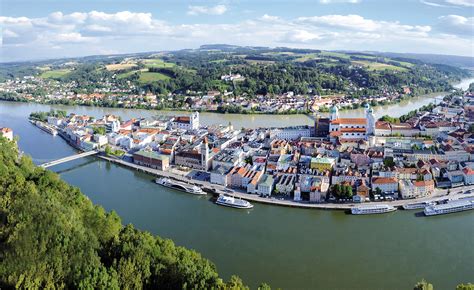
69	158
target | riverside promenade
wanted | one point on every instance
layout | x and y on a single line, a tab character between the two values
455	193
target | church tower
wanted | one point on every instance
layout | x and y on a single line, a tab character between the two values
334	113
369	115
204	154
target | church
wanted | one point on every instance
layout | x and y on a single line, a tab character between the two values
351	129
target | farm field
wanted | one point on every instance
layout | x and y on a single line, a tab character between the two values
56	73
148	77
374	66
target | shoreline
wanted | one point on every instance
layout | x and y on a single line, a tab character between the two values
245	112
215	188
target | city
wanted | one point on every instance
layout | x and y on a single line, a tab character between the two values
221	144
338	160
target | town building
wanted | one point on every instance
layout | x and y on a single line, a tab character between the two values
6	133
151	159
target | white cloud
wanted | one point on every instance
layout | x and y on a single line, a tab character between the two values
449	3
267	17
359	23
215	10
457	25
434	4
468	3
301	36
97	32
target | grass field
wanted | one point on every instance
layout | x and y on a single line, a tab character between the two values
157	62
308	56
378	65
119	66
334	54
126	74
57	73
148	77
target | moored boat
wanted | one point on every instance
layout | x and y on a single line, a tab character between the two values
449	207
418	205
178	185
45	127
372	209
233	202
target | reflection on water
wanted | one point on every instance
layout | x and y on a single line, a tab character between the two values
286	247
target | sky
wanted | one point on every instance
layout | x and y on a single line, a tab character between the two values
33	29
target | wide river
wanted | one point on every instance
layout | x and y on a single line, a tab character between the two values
285	247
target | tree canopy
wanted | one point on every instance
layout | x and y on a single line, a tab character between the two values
53	236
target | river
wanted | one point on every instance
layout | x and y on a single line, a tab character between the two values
285	247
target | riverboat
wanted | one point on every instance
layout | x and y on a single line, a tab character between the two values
233	202
419	205
45	127
174	184
449	207
372	209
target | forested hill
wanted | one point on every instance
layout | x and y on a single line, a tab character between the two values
52	236
263	70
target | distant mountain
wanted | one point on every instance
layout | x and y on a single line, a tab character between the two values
453	60
218	47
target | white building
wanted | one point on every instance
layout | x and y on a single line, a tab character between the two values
186	122
54	121
291	133
219	175
285	184
265	185
416	189
7	133
385	184
100	139
351	128
468	176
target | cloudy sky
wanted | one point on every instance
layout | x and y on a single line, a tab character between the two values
63	28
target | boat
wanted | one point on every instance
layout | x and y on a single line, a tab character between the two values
233	202
45	127
449	207
178	185
372	209
418	205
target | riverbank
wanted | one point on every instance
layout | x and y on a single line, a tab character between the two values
218	189
243	241
290	112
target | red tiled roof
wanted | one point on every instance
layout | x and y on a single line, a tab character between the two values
358	121
383	180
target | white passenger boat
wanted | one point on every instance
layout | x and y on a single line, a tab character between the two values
372	209
233	202
449	207
45	127
418	205
180	186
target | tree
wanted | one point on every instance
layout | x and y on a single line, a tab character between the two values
378	191
108	150
337	191
468	286
264	286
388	162
423	285
53	236
347	191
99	130
235	283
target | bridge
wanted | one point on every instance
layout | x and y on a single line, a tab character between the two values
69	158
